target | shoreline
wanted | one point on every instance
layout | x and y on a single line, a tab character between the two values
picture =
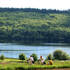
16	64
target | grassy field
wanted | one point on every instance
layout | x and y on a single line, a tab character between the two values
15	64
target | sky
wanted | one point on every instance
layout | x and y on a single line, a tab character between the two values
45	4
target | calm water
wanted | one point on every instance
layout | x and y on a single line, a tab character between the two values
12	50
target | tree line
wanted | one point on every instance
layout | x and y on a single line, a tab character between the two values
34	25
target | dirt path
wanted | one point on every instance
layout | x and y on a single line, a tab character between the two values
55	69
62	69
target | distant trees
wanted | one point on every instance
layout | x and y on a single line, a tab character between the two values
33	10
34	25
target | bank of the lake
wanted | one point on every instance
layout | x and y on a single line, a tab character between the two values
16	64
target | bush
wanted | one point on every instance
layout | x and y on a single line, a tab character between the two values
2	57
35	57
60	55
49	57
22	56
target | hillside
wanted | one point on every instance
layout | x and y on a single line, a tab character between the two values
34	25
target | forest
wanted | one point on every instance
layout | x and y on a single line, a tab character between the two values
30	25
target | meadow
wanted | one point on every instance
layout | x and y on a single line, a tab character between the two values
16	64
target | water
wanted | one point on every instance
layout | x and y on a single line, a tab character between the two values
12	50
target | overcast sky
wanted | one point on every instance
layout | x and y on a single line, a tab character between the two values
48	4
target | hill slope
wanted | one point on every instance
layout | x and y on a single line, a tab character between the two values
34	25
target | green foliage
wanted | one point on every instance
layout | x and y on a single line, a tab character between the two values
22	56
60	55
49	57
35	57
34	25
2	57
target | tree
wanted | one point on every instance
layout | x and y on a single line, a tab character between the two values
22	56
2	57
60	55
49	57
35	57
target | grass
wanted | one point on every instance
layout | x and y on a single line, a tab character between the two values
14	64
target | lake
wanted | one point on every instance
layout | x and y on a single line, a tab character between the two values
12	50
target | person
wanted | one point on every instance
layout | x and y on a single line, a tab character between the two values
32	59
42	60
50	62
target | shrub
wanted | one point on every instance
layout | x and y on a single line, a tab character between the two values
60	55
2	57
22	56
49	57
35	57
